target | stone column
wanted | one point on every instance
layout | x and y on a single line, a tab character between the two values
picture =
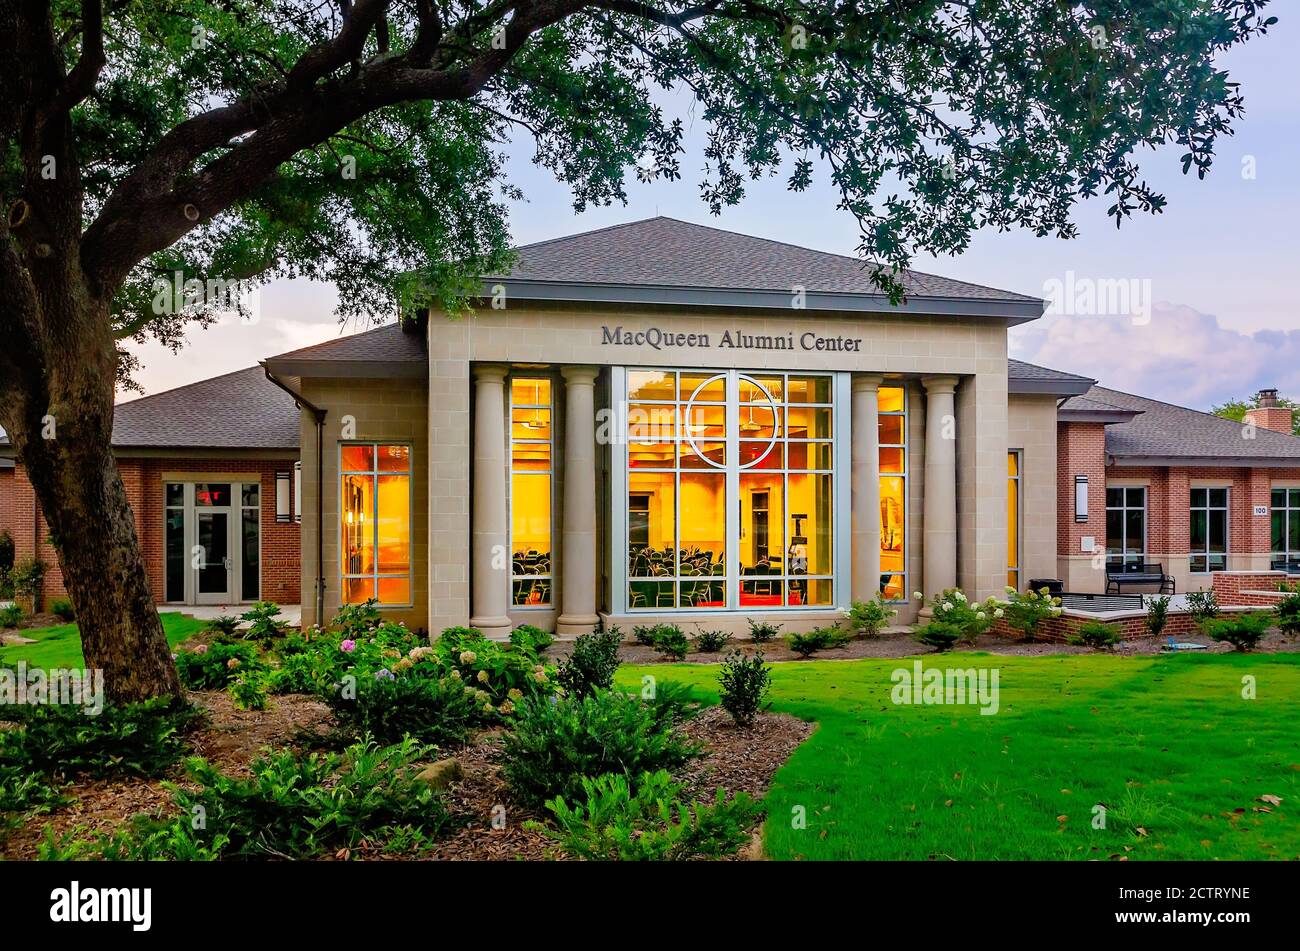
866	486
578	548
939	562
490	531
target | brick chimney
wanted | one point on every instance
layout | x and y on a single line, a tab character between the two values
1270	414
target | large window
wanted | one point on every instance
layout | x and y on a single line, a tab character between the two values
893	493
1014	497
1126	525
730	490
1209	530
1286	523
531	454
375	507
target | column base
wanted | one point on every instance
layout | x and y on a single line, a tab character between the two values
571	625
493	628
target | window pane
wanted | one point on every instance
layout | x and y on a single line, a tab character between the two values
891	430
1279	498
710	422
809	524
1218	498
394	458
356	590
703	522
530	423
249	494
759	421
808	422
703	387
211	493
357	458
1198	498
1114	498
651	455
891	460
1218	530
531	592
1114	531
1198	529
651	594
892	588
812	591
1293	498
1278	532
647	422
762	523
175	545
175	493
394	591
651	385
1135	498
892	512
760	454
530	456
811	389
703	454
530	523
1134	521
810	455
356	505
250	537
394	516
655	557
1293	534
529	391
1013	463
890	399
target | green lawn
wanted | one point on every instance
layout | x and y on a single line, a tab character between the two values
1166	743
60	646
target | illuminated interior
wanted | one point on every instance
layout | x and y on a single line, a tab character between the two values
1013	520
531	453
694	439
893	493
375	517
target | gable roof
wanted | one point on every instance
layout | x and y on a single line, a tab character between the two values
240	410
666	261
386	351
1164	434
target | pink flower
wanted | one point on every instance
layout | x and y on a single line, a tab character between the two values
348	646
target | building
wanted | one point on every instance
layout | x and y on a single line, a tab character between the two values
664	421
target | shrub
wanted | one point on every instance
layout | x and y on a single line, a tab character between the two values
743	686
868	618
672	701
710	642
819	638
265	623
223	626
1157	615
1025	611
1288	613
213	666
248	690
299	673
958	614
671	642
137	739
1203	606
496	668
11	616
558	741
1096	634
763	631
614	820
22	791
27	575
64	609
355	620
434	709
644	634
1243	630
529	638
290	806
941	635
591	664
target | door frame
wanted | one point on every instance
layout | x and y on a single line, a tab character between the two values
233	553
234	522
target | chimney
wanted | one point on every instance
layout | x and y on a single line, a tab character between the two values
1268	413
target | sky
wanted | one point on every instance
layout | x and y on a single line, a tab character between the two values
1212	310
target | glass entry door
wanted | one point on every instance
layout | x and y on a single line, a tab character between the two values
215	568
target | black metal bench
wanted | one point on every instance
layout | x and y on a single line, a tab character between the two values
1290	565
1138	573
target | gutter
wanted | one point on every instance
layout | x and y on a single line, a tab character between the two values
303	403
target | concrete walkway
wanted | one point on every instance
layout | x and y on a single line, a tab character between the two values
292	613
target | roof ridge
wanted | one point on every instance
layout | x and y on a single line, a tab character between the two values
601	230
1188	409
184	386
1039	366
335	339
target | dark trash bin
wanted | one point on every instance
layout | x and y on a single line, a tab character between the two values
1054	586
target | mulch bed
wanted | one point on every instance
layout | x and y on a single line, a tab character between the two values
737	760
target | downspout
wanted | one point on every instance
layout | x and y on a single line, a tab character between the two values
303	403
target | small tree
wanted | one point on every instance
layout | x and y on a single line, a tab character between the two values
1024	612
743	685
1242	630
1157	615
868	618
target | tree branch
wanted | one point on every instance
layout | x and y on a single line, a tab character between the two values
81	81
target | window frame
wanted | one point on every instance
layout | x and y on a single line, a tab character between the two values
1289	492
1125	557
1016	483
553	599
905	476
840	545
1208	509
375	472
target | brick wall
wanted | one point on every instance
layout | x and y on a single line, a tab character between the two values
1249	587
1276	418
1080	451
143	480
1131	626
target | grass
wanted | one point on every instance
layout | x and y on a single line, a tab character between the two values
1167	744
60	645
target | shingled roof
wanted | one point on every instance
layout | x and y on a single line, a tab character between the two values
1030	378
1162	433
387	351
240	410
667	261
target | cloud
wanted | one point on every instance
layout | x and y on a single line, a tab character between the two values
1181	356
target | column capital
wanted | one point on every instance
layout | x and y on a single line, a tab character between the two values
937	385
867	381
490	372
579	375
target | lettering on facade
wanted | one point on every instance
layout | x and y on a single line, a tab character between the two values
658	339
